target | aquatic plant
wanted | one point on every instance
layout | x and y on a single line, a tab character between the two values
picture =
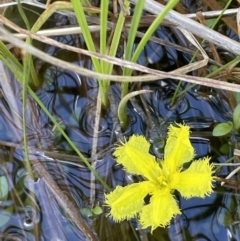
161	178
104	67
224	128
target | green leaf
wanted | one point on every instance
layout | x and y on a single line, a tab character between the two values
236	117
225	149
222	129
3	188
96	210
86	212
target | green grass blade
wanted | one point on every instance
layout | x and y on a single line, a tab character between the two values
123	118
103	44
33	73
27	69
23	15
9	57
131	39
86	3
26	74
133	30
103	29
170	5
115	41
82	21
17	73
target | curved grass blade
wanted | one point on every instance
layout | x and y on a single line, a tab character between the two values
122	106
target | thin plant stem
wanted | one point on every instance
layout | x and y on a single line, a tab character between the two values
130	42
27	70
8	56
231	174
115	41
32	71
123	118
26	74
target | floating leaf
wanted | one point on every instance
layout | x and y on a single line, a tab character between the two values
236	117
222	129
96	210
86	212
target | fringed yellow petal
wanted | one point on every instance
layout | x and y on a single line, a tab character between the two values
134	156
178	149
163	179
126	202
162	208
196	181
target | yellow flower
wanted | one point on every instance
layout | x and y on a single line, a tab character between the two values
161	179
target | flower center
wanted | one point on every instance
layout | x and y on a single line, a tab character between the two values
162	181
